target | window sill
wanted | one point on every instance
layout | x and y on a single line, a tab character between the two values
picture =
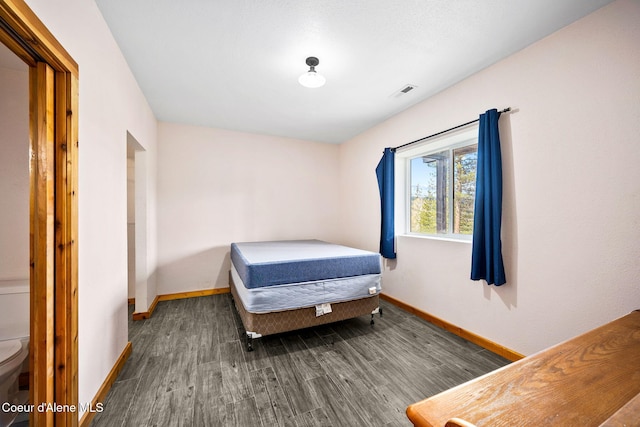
442	238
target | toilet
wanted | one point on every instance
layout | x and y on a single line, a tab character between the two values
13	354
14	345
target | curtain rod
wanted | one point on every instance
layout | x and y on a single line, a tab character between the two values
444	131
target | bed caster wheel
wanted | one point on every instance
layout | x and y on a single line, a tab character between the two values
249	343
373	322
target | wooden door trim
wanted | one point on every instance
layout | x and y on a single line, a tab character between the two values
34	37
53	123
41	235
66	246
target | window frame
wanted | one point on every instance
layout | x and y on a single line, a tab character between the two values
447	142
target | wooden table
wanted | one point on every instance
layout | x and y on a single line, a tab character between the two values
627	416
586	381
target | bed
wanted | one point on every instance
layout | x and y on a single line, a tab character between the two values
281	286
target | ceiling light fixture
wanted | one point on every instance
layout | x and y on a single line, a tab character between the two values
312	78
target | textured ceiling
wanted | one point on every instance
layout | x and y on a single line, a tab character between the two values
234	64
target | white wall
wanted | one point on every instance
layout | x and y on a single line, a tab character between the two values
14	173
571	188
216	187
571	192
131	227
111	104
14	193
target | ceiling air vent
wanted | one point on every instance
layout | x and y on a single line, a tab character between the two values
403	91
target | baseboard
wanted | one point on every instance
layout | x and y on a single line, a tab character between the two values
193	294
178	295
469	336
106	386
131	300
146	314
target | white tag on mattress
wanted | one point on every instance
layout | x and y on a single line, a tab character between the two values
322	309
372	290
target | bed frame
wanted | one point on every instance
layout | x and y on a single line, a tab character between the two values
261	324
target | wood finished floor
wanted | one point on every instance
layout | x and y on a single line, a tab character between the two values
189	367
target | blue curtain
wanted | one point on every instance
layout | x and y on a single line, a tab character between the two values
486	259
385	174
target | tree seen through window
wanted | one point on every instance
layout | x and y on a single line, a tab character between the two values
443	191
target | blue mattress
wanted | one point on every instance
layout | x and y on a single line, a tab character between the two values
261	264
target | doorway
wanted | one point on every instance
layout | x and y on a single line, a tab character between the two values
53	210
137	223
14	218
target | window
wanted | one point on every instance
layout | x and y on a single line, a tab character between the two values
440	187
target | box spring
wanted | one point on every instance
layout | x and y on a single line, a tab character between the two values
290	320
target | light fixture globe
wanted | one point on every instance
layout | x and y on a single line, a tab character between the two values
312	79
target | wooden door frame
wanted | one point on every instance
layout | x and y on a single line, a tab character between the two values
53	230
